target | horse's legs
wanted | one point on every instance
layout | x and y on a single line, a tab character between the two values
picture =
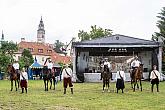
134	85
26	90
50	83
45	83
141	85
23	90
11	85
54	82
16	85
103	84
138	85
108	85
18	82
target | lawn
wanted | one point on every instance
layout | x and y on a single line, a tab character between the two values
87	96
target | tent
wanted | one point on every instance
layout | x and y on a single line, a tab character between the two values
35	69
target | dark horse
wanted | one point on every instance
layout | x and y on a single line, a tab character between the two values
14	76
48	76
136	76
106	75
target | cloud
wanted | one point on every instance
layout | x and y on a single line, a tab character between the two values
63	18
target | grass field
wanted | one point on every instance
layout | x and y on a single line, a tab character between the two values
87	96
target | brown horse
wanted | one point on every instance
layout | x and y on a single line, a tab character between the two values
48	76
106	75
136	76
14	76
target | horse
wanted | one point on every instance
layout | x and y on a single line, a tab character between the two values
48	76
14	76
106	75
136	76
52	78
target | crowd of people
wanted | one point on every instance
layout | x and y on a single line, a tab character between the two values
68	74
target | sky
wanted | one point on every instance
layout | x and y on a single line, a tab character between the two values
64	18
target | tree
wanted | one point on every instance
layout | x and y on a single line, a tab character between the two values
7	50
26	59
161	34
58	46
161	25
94	33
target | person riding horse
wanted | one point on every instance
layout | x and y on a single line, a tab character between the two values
16	67
106	75
134	65
102	64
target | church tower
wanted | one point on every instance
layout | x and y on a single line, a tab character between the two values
41	32
2	38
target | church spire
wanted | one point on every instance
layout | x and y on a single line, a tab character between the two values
2	36
41	32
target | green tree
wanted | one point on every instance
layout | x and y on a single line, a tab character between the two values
26	59
57	46
94	33
7	50
161	34
161	26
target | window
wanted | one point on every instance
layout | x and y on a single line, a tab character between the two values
40	50
30	49
49	51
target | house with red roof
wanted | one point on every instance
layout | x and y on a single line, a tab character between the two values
40	49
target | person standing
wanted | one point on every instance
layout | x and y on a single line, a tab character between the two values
24	80
67	78
155	77
120	78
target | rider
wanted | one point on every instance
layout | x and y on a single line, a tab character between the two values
16	66
135	64
50	66
106	62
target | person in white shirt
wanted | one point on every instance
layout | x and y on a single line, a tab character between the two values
67	78
50	66
106	62
155	77
16	66
134	65
120	78
24	80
